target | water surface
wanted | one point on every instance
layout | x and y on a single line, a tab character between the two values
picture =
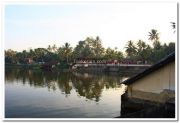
42	94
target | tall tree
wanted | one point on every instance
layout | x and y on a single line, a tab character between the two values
154	37
10	56
54	48
67	50
85	49
143	50
130	49
173	24
97	47
141	46
49	48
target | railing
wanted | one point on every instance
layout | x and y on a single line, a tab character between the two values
104	64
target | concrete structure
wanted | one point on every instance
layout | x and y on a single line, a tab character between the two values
109	67
157	83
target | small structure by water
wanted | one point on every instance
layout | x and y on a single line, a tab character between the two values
155	85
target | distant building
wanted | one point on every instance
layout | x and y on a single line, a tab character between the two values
29	60
49	65
157	83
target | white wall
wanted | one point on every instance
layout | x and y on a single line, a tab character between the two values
154	83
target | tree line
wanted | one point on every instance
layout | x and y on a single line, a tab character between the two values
92	48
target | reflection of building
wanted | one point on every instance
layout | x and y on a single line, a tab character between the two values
156	83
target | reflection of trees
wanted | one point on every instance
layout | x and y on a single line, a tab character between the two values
89	85
10	74
64	83
37	78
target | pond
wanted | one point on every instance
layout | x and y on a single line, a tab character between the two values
43	94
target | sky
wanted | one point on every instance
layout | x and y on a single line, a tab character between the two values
39	25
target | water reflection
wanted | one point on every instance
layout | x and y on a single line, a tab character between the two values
87	85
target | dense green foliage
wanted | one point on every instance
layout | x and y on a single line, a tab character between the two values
92	48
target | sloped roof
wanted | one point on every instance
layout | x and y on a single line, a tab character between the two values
158	65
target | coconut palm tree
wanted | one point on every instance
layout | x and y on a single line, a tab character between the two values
67	50
143	50
49	48
54	48
141	45
154	35
173	24
130	49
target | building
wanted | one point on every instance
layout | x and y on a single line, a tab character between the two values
157	83
29	60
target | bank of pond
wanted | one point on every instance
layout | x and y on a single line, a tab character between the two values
37	66
115	68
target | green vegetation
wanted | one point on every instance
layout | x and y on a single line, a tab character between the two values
91	47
